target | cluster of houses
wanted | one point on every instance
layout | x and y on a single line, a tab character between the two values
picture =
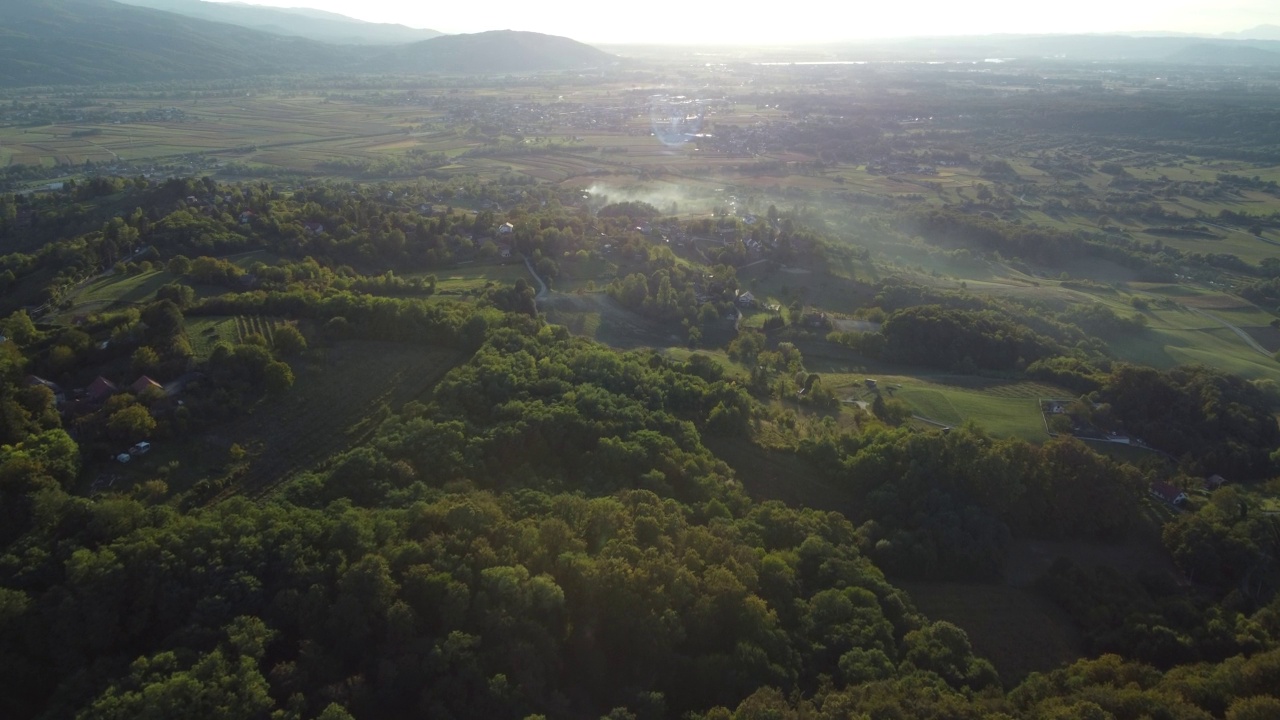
95	393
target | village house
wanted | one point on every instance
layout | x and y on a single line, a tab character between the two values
100	389
1168	493
58	396
143	384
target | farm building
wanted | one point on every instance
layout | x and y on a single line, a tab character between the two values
1213	482
746	299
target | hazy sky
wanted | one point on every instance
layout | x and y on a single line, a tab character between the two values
746	21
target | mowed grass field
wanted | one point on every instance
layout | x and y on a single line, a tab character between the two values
1007	409
116	290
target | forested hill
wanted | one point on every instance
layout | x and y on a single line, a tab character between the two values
551	527
496	51
57	42
295	22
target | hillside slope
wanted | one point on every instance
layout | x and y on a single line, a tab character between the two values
294	22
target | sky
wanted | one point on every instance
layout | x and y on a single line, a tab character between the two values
791	21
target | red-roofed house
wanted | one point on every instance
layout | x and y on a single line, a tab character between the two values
144	383
1170	494
100	389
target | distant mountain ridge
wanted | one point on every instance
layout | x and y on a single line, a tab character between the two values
496	51
70	42
1259	32
294	22
1206	54
1147	48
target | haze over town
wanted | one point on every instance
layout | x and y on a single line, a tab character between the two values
806	20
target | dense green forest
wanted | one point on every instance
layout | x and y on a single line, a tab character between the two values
545	530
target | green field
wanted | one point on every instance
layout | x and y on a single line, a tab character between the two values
1003	408
476	276
116	290
782	286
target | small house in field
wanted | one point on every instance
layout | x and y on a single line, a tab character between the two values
1213	482
143	384
100	389
1167	493
506	229
746	299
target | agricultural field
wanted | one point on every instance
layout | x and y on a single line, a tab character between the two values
205	332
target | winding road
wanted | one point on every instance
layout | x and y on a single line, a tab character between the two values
542	291
1233	328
